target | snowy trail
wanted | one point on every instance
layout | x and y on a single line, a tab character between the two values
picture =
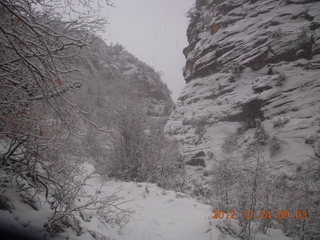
162	215
167	215
157	215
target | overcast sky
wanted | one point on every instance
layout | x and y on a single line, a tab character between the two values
155	32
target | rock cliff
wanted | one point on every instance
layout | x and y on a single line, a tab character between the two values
114	78
252	72
117	77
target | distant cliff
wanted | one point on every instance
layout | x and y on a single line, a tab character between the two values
114	78
252	72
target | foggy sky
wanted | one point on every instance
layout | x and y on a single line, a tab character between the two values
155	32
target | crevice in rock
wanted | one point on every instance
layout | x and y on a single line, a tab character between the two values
250	111
281	104
215	96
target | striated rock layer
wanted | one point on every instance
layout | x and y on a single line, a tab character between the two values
253	83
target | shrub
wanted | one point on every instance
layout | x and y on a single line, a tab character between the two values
255	186
140	151
70	197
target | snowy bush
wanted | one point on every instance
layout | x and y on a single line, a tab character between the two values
140	151
251	185
36	117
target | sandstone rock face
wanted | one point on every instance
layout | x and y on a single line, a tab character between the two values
250	60
116	77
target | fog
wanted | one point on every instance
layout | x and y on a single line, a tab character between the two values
155	32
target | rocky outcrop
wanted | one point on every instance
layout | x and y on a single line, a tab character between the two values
252	72
115	78
5	203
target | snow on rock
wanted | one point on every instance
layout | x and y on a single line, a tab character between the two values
249	60
117	76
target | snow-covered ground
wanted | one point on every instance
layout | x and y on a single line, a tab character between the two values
156	214
163	215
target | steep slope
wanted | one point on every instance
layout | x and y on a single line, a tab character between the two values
117	77
114	78
252	72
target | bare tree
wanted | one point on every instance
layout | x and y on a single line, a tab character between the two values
256	181
225	176
140	151
39	40
264	197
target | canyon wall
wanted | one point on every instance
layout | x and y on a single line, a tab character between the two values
253	84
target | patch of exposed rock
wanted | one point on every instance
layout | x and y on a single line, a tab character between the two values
247	62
